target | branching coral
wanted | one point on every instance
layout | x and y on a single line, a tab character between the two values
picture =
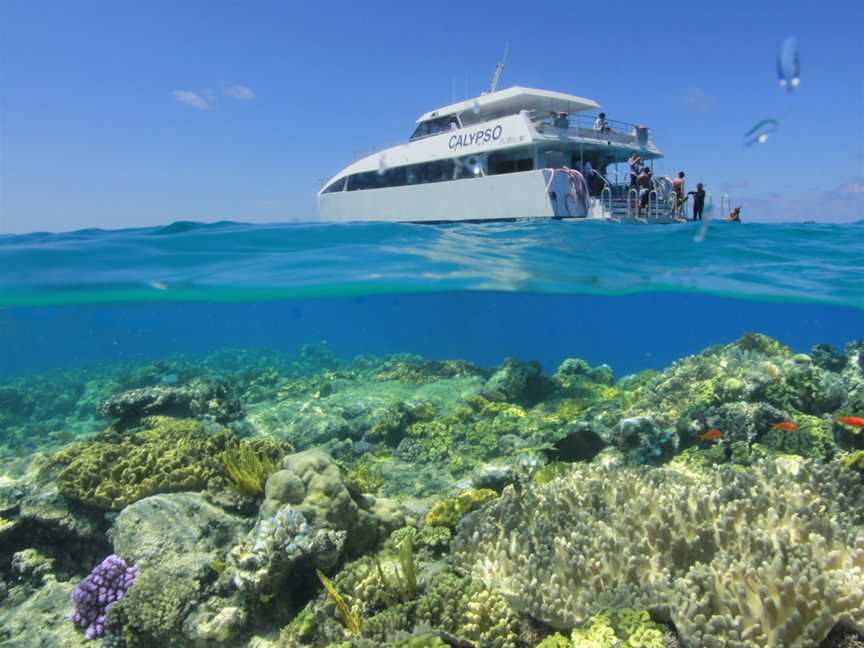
768	558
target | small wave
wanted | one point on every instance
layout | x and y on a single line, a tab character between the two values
230	261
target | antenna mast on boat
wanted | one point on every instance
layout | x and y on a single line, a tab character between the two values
499	69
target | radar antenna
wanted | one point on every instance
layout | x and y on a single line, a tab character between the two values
498	69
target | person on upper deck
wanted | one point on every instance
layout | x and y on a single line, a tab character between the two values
678	191
698	201
600	123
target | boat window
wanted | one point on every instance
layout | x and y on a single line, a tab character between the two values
510	162
339	185
435	126
412	174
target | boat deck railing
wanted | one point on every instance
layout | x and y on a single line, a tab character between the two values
582	127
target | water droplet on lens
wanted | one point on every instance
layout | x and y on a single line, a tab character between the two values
760	132
382	164
789	64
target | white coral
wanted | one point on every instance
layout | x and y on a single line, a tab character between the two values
768	559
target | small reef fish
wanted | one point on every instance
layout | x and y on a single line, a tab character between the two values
853	421
785	425
711	435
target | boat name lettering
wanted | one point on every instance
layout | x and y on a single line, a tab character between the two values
477	137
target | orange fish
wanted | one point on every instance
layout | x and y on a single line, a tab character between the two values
711	435
854	421
785	425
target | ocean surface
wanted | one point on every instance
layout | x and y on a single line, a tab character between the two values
363	435
634	297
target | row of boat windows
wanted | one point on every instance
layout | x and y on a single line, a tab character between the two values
428	172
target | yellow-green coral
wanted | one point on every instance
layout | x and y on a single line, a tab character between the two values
165	455
396	583
555	641
302	627
366	477
448	512
114	470
547	472
465	608
248	467
624	628
812	439
854	460
350	618
153	609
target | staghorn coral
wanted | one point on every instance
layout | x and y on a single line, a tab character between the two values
768	558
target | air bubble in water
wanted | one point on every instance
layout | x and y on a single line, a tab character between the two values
788	64
760	132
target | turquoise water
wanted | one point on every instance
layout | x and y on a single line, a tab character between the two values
235	262
654	425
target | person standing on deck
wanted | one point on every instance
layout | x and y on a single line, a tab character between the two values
698	201
678	190
600	123
643	182
635	164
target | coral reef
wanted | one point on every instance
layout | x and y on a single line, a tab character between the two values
771	557
440	503
198	399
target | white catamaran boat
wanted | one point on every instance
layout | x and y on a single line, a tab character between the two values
512	154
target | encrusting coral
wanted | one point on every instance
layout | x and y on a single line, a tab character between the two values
767	558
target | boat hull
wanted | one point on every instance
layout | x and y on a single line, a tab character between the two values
525	194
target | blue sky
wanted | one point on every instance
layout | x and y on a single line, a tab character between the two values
119	114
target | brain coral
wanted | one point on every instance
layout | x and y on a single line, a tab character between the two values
769	558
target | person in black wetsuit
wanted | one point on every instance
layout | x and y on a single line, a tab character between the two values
698	201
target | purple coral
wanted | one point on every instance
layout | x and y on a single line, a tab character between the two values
106	584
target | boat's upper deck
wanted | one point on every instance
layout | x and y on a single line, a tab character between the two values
510	102
554	116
